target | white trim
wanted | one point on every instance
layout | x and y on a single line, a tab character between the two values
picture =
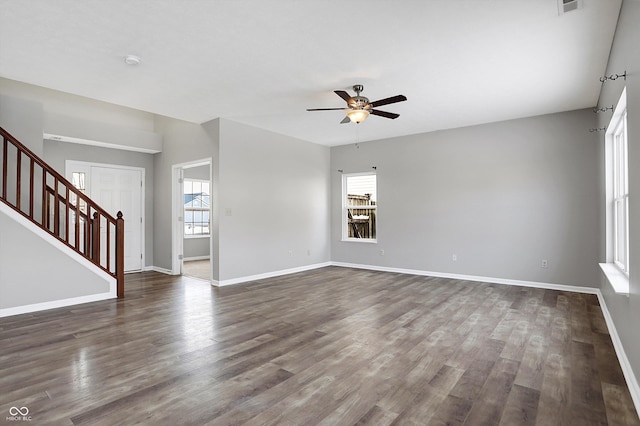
26	309
69	139
177	240
345	208
177	209
248	278
359	240
159	269
618	280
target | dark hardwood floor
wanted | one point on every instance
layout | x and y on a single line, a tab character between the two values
332	346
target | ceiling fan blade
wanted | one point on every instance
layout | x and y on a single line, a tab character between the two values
344	95
325	109
387	101
385	114
345	120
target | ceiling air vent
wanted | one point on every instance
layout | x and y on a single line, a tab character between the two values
565	6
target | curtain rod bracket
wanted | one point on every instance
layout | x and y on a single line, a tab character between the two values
613	77
603	109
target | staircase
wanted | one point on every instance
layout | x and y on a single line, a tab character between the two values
36	191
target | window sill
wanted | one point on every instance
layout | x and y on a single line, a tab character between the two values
618	279
189	237
360	240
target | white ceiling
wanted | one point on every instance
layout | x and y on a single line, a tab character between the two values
263	62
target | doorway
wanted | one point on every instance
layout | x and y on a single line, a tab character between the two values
116	188
192	225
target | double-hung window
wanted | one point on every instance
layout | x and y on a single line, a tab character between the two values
616	268
620	195
359	207
196	207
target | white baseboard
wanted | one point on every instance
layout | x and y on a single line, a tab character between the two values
158	269
26	309
269	274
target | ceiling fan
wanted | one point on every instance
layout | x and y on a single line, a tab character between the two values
358	107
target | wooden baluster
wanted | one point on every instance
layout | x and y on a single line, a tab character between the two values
45	198
87	234
120	254
108	237
77	222
4	168
95	238
56	209
31	189
18	178
66	214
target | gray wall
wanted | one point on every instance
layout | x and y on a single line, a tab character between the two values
196	248
277	190
501	196
625	311
34	271
23	119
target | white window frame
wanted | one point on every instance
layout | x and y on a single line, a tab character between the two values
203	209
345	209
616	268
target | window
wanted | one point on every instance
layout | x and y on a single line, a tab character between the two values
617	199
196	207
78	179
359	207
620	195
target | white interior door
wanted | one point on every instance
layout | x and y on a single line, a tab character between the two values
116	190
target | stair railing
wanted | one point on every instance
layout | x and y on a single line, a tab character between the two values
34	189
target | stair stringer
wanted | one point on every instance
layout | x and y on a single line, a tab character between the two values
39	272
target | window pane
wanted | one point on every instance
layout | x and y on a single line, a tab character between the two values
196	207
360	206
361	190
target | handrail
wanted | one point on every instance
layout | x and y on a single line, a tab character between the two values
65	212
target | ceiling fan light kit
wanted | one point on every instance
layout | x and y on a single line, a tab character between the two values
357	115
358	107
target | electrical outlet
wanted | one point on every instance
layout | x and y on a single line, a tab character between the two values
308	252
544	264
290	253
454	257
381	252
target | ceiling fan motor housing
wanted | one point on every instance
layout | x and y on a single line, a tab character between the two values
359	102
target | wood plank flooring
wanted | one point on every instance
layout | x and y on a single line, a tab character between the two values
333	346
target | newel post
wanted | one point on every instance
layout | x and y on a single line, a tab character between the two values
120	254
